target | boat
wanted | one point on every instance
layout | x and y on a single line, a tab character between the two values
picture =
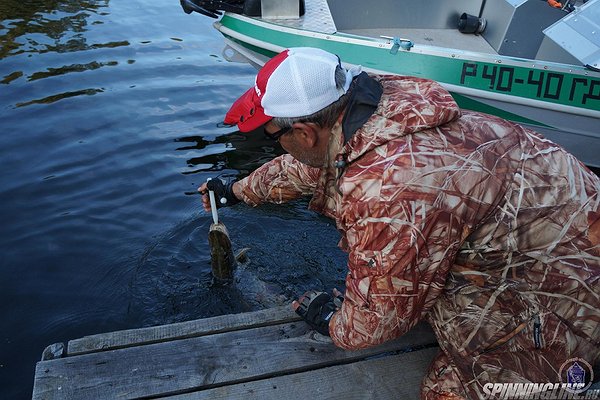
523	60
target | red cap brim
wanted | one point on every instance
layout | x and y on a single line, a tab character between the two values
247	112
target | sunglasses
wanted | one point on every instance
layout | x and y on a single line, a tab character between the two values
278	134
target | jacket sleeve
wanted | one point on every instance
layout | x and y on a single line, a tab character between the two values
278	181
400	254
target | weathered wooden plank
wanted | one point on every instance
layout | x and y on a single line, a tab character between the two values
393	377
200	327
201	362
56	350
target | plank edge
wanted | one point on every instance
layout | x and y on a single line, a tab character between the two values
180	330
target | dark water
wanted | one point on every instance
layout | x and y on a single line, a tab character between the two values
108	113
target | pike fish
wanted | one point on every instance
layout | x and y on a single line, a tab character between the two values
231	268
222	260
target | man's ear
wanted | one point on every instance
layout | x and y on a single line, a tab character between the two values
307	133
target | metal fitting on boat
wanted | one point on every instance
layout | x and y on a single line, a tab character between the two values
397	43
468	23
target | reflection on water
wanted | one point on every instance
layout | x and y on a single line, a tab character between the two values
37	27
71	68
56	97
232	151
109	114
34	26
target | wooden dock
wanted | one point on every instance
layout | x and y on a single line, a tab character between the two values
267	354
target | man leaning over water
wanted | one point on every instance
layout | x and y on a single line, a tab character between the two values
485	229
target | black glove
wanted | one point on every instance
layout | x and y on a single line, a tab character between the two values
317	308
223	192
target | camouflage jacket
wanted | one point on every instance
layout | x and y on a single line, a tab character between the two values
478	225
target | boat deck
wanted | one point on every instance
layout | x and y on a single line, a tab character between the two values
447	38
267	354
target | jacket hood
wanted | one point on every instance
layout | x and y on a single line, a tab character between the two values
407	105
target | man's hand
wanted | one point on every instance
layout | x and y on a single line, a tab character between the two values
224	193
317	308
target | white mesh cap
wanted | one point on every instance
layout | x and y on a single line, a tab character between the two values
304	83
